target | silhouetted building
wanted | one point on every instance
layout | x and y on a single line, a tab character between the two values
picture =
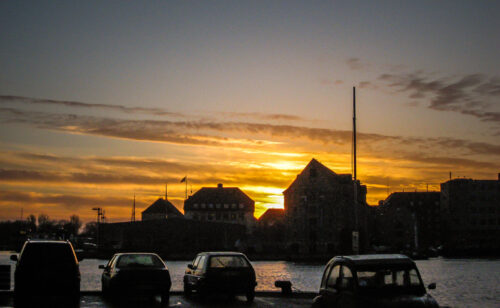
272	217
221	204
161	209
320	211
270	233
173	237
409	221
471	209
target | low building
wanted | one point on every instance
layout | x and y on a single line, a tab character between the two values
409	221
174	238
471	209
270	232
321	212
271	217
161	209
221	204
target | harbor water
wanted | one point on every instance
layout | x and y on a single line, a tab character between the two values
460	282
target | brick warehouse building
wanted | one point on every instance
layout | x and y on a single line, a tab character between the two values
409	221
320	212
471	214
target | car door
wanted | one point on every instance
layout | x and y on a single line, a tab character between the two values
190	273
199	270
347	289
330	292
106	274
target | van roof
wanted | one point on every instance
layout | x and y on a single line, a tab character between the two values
375	259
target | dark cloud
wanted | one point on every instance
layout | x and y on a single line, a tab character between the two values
27	176
121	108
211	133
71	202
367	85
357	64
227	175
264	116
329	82
140	110
470	94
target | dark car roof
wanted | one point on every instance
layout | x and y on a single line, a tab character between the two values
381	259
221	253
135	253
47	242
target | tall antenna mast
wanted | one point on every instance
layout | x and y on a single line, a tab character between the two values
166	191
355	232
132	219
354	131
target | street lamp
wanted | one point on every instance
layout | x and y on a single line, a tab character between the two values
99	214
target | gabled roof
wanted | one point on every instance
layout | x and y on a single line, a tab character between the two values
219	195
162	206
315	173
272	215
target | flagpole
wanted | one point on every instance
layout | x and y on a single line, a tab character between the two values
186	187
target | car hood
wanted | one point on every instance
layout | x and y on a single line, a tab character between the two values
408	301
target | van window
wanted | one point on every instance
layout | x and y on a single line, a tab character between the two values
347	280
334	275
201	263
196	261
47	254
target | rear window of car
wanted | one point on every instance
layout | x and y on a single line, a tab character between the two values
139	261
228	261
47	254
389	279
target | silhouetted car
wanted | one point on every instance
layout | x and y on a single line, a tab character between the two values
45	271
130	274
373	281
220	272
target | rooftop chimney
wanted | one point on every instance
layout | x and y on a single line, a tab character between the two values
219	185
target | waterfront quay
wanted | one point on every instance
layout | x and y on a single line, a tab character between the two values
93	299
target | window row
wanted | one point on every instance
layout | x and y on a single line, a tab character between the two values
220	217
218	206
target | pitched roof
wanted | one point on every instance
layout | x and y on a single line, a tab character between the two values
315	173
272	215
221	195
162	206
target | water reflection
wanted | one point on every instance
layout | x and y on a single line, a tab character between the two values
460	282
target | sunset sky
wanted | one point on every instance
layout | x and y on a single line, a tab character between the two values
103	100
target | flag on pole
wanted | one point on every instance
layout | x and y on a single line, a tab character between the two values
184	179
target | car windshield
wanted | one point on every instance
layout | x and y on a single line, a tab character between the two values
394	280
228	261
48	254
136	260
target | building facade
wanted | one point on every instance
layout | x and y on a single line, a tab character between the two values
270	232
221	204
471	209
409	221
320	211
161	209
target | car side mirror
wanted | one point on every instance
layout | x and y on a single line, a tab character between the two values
102	266
191	266
432	286
13	257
